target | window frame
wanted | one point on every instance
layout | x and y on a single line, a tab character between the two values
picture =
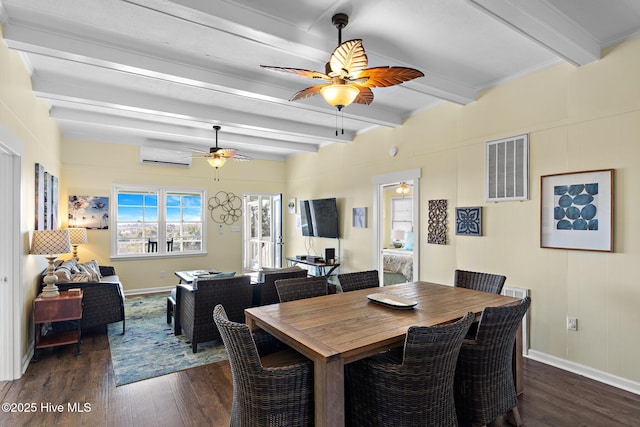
161	192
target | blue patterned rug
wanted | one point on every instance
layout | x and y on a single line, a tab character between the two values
149	348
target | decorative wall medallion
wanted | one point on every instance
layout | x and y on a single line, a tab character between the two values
469	221
437	230
225	208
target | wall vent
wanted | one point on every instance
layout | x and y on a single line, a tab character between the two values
165	157
507	171
511	291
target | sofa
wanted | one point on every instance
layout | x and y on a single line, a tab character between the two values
102	293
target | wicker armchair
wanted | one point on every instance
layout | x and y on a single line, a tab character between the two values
194	305
280	396
410	387
268	292
359	280
300	288
484	386
485	282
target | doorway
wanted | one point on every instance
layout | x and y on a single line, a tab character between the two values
396	223
11	248
262	231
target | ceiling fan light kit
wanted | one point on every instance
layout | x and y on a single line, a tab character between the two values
347	76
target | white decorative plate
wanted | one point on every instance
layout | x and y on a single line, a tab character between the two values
393	301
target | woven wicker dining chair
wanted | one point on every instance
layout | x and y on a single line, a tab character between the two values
410	386
484	386
265	395
268	292
359	280
302	287
485	282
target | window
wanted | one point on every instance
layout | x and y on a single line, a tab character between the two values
151	221
402	213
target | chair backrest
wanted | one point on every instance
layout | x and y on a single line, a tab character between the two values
359	280
302	287
485	282
234	293
498	325
268	292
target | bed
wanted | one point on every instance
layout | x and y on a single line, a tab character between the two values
397	265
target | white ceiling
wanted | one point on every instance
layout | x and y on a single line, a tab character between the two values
161	73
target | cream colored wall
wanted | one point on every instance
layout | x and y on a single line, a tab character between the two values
28	119
91	168
577	119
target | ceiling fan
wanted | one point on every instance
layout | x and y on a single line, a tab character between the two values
218	156
346	74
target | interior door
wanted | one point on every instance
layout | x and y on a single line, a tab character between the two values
262	231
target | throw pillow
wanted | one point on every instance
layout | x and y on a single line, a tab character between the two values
80	277
92	269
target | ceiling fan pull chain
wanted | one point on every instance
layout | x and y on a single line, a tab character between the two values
336	122
342	117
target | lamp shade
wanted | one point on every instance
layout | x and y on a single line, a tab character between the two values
397	234
78	236
217	161
49	242
339	95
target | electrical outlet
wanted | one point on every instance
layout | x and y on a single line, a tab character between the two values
572	323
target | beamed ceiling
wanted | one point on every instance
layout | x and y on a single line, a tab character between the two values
160	73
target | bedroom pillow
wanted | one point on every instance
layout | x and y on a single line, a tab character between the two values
408	242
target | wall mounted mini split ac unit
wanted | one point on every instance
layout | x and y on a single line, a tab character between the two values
165	157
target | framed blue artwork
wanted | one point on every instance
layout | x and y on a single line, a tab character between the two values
469	221
576	210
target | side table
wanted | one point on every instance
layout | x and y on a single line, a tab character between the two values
64	307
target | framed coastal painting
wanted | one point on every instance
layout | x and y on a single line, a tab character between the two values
576	210
89	212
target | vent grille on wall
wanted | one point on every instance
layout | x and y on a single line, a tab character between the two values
508	169
512	291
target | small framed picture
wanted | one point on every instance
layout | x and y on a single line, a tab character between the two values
576	210
360	217
469	221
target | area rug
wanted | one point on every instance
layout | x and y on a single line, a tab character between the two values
149	348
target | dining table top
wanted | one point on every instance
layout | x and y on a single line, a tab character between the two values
350	326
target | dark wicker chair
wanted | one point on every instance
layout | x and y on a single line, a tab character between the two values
485	282
302	287
410	387
358	280
484	386
263	395
194	306
268	292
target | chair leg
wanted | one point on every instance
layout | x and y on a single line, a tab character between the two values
194	346
513	416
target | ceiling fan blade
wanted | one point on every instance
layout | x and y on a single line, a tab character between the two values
388	76
348	59
240	158
307	74
227	152
306	93
365	96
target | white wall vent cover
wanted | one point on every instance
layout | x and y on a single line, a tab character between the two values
164	156
507	169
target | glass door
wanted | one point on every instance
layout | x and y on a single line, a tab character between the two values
262	231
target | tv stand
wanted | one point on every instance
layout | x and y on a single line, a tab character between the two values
320	265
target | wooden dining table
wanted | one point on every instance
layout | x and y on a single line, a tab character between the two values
334	330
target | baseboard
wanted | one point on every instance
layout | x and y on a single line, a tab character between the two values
145	291
594	374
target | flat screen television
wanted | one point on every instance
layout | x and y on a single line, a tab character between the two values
319	218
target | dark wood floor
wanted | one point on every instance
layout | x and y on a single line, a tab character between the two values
202	396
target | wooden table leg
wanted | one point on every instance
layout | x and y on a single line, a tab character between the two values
329	393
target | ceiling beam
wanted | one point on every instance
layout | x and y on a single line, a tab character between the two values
544	24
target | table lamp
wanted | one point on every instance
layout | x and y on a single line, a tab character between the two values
397	237
78	236
50	243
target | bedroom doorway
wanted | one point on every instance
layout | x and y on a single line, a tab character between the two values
396	222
